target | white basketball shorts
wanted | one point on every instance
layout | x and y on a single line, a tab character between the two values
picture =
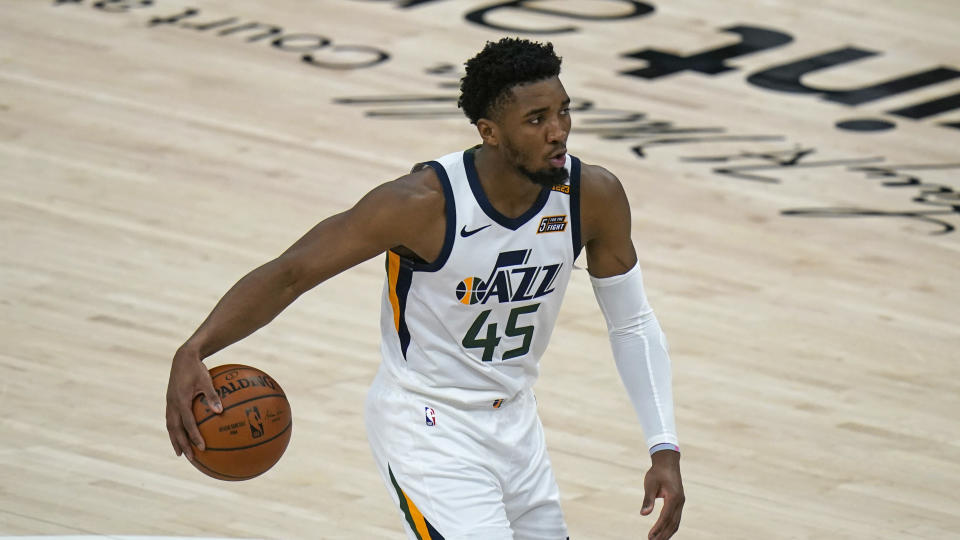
459	474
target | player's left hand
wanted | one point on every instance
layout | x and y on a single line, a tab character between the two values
663	481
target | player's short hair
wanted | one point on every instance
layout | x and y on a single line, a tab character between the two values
500	66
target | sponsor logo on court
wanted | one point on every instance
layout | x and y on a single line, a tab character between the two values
316	50
769	158
321	51
932	192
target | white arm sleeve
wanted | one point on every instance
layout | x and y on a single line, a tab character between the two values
640	352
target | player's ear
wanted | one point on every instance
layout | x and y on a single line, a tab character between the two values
489	132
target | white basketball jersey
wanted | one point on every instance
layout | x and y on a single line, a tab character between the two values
471	326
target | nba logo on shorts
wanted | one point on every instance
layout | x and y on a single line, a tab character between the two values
431	416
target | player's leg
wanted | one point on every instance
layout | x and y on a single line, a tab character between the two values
478	516
531	495
534	510
435	473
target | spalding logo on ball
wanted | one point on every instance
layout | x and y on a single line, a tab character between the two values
252	432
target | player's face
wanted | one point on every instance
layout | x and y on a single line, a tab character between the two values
534	129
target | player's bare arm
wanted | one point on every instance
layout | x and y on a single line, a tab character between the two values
606	224
407	213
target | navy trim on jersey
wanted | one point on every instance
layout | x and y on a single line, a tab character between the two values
575	206
434	535
404	280
488	209
450	207
407	266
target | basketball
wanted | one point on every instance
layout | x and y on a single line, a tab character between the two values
252	432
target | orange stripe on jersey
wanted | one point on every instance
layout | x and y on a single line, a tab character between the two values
393	273
419	523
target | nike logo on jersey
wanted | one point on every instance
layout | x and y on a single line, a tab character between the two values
465	233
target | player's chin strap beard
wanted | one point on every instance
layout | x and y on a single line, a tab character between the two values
549	177
546	177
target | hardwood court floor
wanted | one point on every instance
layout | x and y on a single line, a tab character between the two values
806	275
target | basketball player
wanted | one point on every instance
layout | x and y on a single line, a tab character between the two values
479	248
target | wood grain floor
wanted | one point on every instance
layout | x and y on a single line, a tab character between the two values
806	275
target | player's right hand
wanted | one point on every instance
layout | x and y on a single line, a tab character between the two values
189	378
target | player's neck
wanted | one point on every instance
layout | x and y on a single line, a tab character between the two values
507	189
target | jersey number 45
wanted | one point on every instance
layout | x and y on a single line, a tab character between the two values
489	343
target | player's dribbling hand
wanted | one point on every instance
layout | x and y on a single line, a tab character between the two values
189	378
663	481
